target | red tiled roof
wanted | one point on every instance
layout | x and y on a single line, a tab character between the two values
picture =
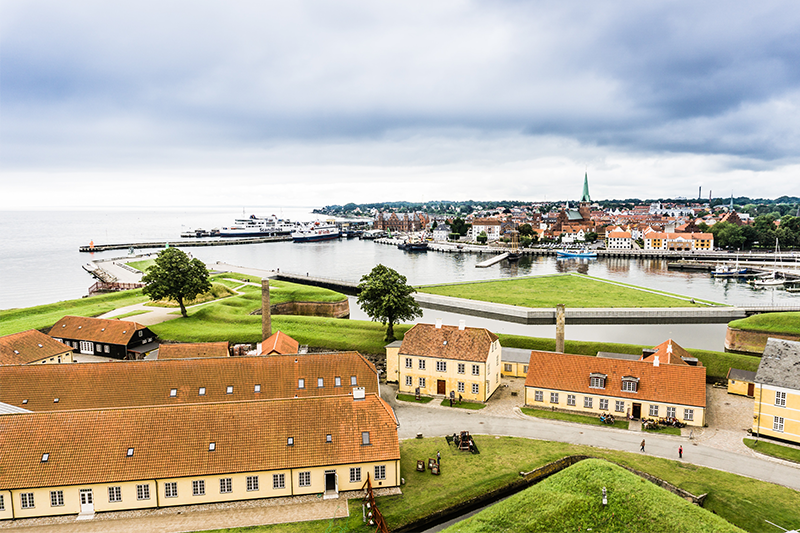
279	343
193	350
95	329
667	355
29	346
677	384
141	383
448	342
90	446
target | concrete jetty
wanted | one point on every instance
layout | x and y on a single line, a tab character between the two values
492	261
181	243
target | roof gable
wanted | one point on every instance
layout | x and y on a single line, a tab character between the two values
280	343
95	329
448	342
29	346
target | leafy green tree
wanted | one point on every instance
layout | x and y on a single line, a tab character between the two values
460	227
482	237
525	229
175	276
385	296
590	236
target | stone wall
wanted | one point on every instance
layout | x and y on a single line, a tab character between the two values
329	309
751	342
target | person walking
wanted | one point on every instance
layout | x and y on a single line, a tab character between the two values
438	458
641	449
680	452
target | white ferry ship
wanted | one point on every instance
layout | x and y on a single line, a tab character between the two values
258	227
315	231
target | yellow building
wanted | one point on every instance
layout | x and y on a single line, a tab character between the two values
119	459
777	391
33	347
440	360
741	382
658	385
514	362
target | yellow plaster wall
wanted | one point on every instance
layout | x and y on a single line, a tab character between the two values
737	387
765	411
518	370
6	513
392	357
450	376
72	504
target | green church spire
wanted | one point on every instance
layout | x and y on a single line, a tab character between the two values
585	197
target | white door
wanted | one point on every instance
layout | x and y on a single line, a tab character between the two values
87	501
87	347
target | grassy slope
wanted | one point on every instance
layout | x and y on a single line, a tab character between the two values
571	501
547	291
773	322
774	449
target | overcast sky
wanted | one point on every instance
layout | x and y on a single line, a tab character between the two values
313	103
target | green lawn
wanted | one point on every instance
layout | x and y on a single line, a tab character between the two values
570	417
774	449
218	291
472	406
572	290
142	265
664	430
413	399
571	500
773	322
744	502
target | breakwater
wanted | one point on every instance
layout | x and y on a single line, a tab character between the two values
181	243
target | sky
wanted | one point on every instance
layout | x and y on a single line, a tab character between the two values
310	103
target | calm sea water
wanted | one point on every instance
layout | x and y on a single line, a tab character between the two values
41	262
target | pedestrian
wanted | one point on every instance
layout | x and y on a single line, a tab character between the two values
451	402
680	452
459	399
438	458
641	449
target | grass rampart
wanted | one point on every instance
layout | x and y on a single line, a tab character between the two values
788	323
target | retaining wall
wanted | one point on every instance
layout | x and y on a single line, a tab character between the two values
752	342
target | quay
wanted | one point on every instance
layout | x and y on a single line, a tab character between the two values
493	260
182	243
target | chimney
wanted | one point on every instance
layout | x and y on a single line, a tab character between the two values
560	321
266	317
655	361
461	325
438	323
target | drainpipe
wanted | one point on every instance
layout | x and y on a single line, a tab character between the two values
758	420
158	501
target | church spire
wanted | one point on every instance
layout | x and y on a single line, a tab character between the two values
585	196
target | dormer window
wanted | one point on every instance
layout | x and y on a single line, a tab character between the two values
320	382
301	383
45	457
597	380
630	384
130	452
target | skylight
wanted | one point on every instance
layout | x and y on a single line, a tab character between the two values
45	457
229	389
257	388
212	446
55	400
130	452
290	441
173	392
202	391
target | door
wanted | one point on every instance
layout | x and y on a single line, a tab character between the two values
751	389
441	387
87	501
331	485
637	410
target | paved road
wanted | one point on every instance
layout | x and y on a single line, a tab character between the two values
435	420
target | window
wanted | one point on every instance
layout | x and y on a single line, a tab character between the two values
320	382
212	446
353	380
409	381
114	494
171	490
225	485
630	384
777	423
142	492
604	404
365	438
173	393
506	367
229	389
780	399
202	391
671	412
257	388
688	414
408	362
278	481
476	370
587	402
290	441
619	406
538	396
461	368
26	499
56	498
422	364
553	397
2	503
45	457
252	483
571	399
380	472
106	349
525	368
476	388
301	383
421	383
129	453
653	410
355	475
328	438
597	381
305	479
461	386
441	366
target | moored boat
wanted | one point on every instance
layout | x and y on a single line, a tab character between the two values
316	231
258	227
576	253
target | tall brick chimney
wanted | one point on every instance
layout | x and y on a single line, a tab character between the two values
560	321
266	317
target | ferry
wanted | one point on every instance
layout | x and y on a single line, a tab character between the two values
258	227
576	253
316	231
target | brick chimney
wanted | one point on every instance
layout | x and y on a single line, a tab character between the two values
560	321
266	316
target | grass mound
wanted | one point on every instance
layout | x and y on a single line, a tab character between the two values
788	323
571	501
218	290
571	290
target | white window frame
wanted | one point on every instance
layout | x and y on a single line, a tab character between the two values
114	494
225	485
337	381
653	409
171	489
688	414
476	370
198	487
553	397
422	364
304	479
462	368
604	404
671	412
461	386
353	381
587	402
409	363
777	423
365	438
278	481
441	366
409	381
143	492
320	383
252	483
26	500
421	383
619	406
2	503
56	498
355	474
538	396
596	382
301	383
380	472
571	400
630	385
476	389
780	399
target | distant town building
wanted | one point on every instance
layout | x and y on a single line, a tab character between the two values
405	222
679	241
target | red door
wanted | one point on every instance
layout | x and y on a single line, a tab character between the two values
441	387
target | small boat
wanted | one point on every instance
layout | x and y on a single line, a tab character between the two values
576	253
317	231
414	245
775	279
726	271
795	288
514	254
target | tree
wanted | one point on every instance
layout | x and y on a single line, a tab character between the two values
386	297
175	276
482	237
525	229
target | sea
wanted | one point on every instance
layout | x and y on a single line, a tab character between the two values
41	263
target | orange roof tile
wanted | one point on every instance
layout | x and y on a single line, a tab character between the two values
448	342
90	446
29	346
677	384
140	383
669	353
95	329
193	350
279	344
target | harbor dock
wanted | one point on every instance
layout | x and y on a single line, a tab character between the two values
492	261
181	243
